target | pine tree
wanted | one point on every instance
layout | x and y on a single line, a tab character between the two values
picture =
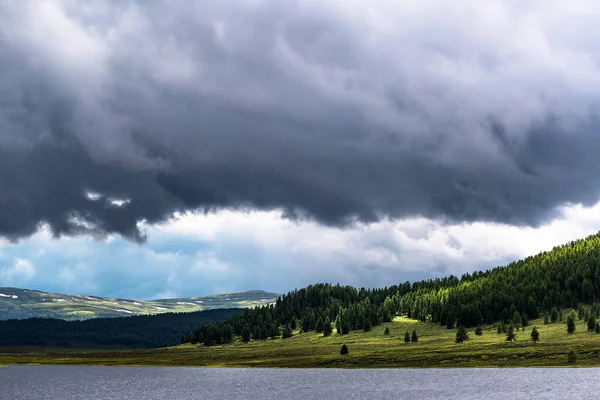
287	332
524	320
407	337
246	334
570	324
414	337
516	320
319	325
591	323
535	334
461	334
490	318
344	350
554	314
511	335
572	357
327	328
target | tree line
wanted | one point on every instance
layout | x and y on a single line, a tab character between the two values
564	277
146	331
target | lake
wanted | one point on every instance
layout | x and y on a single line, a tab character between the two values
149	383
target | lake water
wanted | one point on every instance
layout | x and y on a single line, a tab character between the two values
131	383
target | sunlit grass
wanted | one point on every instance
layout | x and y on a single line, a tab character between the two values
436	348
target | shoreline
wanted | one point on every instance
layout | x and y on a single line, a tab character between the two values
366	367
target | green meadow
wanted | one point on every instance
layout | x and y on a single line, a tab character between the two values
436	347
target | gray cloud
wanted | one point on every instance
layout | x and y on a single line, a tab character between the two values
333	112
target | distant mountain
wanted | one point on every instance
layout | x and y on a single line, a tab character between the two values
22	303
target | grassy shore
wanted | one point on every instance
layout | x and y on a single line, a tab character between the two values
435	348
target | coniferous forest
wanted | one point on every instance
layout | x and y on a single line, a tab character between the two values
144	331
566	276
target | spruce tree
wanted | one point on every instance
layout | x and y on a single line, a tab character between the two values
407	337
511	335
524	320
570	324
344	350
591	323
535	334
516	320
293	324
461	334
319	325
490	318
414	337
287	332
546	319
387	331
327	328
367	325
478	331
597	327
554	314
572	357
246	334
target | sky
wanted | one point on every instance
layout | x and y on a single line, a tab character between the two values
176	148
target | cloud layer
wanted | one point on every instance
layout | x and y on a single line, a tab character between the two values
335	111
229	251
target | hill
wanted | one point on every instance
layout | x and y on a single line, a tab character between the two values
22	303
557	290
565	277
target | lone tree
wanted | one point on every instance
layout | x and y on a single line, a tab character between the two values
535	334
461	334
327	328
414	337
387	331
572	357
407	337
570	324
478	331
511	335
591	323
344	350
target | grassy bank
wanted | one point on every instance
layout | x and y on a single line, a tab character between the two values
435	348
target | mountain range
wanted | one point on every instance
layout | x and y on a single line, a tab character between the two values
18	303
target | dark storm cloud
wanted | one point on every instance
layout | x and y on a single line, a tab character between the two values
337	112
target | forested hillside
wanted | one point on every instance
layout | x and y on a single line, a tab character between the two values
563	277
148	331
